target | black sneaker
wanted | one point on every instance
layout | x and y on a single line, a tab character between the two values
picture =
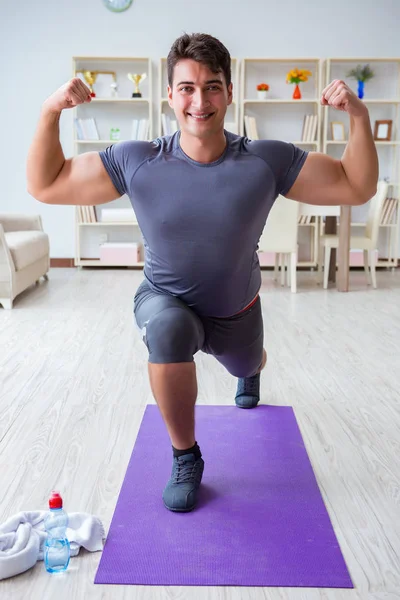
248	392
181	491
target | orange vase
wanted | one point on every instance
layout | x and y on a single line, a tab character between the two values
297	92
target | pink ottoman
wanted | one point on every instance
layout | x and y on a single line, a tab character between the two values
120	253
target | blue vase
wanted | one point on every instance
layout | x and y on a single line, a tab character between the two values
361	89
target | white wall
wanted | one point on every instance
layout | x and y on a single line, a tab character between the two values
38	39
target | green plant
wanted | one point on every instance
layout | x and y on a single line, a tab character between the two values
361	73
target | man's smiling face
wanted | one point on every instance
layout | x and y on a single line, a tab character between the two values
199	98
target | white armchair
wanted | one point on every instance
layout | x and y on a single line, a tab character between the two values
24	254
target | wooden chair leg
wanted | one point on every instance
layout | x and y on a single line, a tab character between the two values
276	268
288	273
327	261
320	264
293	272
372	259
366	267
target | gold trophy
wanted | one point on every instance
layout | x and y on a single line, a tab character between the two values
90	78
136	79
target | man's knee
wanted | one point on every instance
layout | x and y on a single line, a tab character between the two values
263	362
242	371
172	335
247	369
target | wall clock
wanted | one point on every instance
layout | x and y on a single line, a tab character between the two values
117	5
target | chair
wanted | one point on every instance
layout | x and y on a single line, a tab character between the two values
24	255
318	212
367	242
280	236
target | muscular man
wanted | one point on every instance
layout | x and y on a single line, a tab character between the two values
201	197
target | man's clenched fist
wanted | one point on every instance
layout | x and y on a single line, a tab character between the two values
338	95
70	94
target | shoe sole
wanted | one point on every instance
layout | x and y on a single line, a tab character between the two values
179	509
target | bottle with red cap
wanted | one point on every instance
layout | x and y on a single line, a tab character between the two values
57	548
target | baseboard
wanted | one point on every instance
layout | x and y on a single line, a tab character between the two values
69	262
61	262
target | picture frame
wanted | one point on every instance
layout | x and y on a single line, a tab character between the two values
383	130
337	131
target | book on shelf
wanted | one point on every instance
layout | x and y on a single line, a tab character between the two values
86	129
86	214
140	129
309	132
305	219
389	211
169	126
251	127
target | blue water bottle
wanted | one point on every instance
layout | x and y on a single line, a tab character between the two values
56	548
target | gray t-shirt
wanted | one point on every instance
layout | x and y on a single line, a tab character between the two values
201	222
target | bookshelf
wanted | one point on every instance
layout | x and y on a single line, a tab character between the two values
281	117
112	115
382	98
278	116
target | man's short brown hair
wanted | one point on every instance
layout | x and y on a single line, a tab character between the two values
202	48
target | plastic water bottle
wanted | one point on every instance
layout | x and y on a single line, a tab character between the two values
56	548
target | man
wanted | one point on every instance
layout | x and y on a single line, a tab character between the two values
201	198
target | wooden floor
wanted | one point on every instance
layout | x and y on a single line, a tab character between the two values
73	389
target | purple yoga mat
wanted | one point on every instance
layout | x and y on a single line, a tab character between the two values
260	520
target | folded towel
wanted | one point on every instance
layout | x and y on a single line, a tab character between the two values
22	539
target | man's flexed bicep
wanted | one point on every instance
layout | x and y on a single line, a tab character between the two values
323	181
50	177
83	180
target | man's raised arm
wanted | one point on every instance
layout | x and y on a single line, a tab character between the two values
352	180
52	178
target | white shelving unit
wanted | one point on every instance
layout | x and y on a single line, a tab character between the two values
287	124
110	110
232	115
278	117
281	117
382	98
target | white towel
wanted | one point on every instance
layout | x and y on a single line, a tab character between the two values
22	539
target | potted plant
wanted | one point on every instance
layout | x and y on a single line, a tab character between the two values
262	90
362	74
296	76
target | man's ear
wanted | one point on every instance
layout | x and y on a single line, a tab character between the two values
230	93
170	96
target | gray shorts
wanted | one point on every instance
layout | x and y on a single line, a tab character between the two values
173	332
